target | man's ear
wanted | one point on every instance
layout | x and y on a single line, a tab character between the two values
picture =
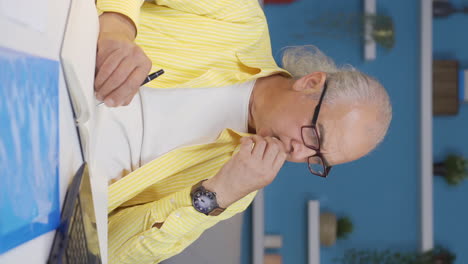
310	83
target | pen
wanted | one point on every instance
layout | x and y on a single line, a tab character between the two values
148	79
152	76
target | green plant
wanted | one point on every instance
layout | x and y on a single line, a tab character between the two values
339	25
438	255
344	228
383	31
454	169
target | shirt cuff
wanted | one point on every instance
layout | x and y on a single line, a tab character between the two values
129	8
183	218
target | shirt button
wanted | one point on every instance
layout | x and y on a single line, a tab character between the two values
141	238
172	200
177	215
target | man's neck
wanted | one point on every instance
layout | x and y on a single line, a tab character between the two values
265	91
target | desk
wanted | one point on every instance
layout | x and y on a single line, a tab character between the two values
46	44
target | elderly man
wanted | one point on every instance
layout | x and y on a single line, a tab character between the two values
221	74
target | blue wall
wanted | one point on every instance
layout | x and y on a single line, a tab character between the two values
450	40
380	192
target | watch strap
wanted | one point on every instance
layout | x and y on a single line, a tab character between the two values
217	211
196	187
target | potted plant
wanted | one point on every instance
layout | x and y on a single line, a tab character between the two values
442	255
339	25
332	228
383	32
344	228
437	255
454	169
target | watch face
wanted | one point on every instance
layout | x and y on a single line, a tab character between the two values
204	202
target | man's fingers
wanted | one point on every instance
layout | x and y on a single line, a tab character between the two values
246	145
103	52
105	70
271	150
259	148
128	99
244	140
117	78
127	90
279	160
138	75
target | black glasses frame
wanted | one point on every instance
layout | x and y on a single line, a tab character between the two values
318	154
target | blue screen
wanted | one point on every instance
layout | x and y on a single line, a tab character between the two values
29	145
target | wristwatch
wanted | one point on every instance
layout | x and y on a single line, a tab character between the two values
204	201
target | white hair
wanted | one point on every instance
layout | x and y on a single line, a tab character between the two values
345	84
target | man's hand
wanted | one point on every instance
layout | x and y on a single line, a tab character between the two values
249	170
121	66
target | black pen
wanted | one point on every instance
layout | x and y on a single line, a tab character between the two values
152	76
148	79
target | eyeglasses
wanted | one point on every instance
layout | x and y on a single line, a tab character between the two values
310	136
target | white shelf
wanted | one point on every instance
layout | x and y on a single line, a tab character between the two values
258	229
427	210
314	232
370	49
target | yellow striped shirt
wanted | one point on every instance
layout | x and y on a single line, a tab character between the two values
160	192
199	43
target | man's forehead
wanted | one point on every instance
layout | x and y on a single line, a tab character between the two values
346	134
